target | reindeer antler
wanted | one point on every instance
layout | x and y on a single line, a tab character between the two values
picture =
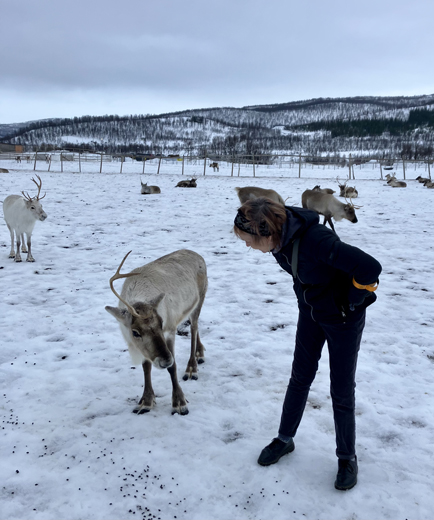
39	188
28	197
351	203
117	276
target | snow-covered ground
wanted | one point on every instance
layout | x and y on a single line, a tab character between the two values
71	448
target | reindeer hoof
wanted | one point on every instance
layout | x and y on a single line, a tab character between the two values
141	409
200	360
30	259
18	259
182	410
12	255
190	375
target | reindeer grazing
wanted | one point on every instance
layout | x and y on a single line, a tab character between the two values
214	166
147	190
329	206
347	191
21	214
187	184
155	299
391	181
252	192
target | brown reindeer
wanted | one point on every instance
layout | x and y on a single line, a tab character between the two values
214	166
187	183
147	190
329	206
253	192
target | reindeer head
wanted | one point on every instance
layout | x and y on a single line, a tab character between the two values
143	323
33	204
350	211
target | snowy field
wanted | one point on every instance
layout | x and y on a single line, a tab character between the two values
71	448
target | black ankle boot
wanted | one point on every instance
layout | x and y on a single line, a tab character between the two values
347	474
276	449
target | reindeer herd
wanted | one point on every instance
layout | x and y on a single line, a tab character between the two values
159	296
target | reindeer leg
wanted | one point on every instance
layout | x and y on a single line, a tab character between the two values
29	248
18	254
23	245
147	401
11	231
179	402
328	219
197	349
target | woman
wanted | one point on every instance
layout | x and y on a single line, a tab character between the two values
334	283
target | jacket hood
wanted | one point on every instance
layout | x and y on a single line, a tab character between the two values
297	221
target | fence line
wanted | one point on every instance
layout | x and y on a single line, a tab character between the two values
59	161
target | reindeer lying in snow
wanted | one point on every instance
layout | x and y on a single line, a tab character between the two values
349	192
391	181
21	214
187	184
147	190
155	299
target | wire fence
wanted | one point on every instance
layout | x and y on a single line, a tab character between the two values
281	165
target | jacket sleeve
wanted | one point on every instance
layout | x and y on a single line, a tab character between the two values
363	267
360	266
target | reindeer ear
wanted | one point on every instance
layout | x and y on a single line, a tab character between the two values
122	315
156	301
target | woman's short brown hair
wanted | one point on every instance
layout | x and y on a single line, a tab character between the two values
263	213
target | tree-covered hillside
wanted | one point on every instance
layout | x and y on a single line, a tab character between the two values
375	126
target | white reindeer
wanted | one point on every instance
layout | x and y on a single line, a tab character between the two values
155	299
329	206
21	214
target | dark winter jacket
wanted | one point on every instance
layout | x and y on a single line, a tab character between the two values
326	267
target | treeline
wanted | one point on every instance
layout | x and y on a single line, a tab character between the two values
319	127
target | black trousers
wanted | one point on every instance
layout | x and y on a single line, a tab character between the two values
343	342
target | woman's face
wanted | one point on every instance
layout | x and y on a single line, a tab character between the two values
264	245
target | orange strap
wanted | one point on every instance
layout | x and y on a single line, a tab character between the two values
371	287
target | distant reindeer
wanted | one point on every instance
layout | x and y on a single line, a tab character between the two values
214	166
253	192
391	181
28	158
147	190
329	206
21	214
429	184
347	191
187	183
323	190
155	299
4	170
423	180
18	158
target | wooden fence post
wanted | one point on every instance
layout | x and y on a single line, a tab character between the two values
144	162
349	167
61	162
159	163
204	164
429	171
79	162
122	162
253	161
183	157
100	165
403	167
232	169
34	166
381	171
299	166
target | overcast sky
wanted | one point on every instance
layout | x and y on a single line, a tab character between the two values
65	59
